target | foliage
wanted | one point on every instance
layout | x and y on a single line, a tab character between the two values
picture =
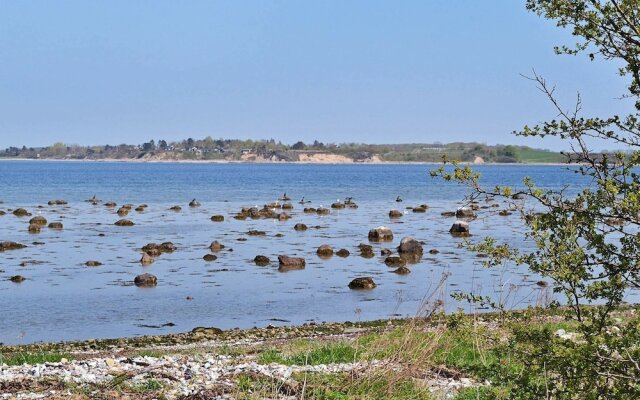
587	244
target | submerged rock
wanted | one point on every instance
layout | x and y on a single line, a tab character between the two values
217	218
93	263
300	227
124	222
322	211
420	209
17	279
57	202
175	208
363	283
8	245
122	211
145	280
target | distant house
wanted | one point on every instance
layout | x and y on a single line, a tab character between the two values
245	151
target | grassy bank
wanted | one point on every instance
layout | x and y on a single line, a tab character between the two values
455	356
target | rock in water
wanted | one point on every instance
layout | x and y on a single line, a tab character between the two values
380	234
262	261
216	246
410	249
362	283
325	251
343	253
465	212
290	263
459	228
124	222
55	225
93	263
146	259
145	280
7	245
38	220
395	261
395	214
21	212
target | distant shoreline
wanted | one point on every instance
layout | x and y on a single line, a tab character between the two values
262	162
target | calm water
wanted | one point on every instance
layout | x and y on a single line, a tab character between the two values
62	299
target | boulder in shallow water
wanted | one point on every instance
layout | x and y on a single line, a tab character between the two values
322	211
459	228
343	253
146	259
363	283
325	251
395	261
402	271
34	228
55	225
380	234
145	280
8	245
465	212
217	218
410	249
395	214
17	279
38	220
261	261
216	246
124	222
300	227
210	257
21	212
93	263
122	211
287	263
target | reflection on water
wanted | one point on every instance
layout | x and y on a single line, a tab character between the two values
64	299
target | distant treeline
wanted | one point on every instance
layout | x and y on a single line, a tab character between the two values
233	149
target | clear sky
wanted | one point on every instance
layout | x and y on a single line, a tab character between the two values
97	72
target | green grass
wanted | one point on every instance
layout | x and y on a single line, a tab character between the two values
329	353
32	358
331	387
150	385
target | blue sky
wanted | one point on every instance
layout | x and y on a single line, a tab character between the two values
337	71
